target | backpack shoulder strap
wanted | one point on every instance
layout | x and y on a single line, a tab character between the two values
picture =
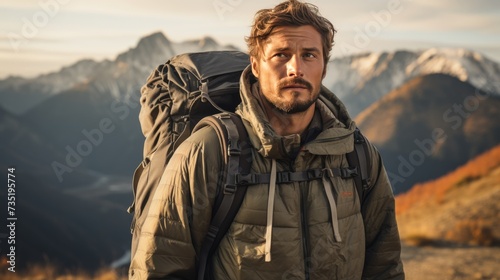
359	158
235	146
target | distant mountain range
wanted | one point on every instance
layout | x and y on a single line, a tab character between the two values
359	80
119	78
429	126
75	133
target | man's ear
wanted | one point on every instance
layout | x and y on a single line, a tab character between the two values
255	64
324	72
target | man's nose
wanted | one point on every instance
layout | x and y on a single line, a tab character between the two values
294	67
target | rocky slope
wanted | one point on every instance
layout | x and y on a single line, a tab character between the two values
430	126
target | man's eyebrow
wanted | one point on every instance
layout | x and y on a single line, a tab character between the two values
312	49
282	49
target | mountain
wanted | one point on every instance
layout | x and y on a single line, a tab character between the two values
21	145
17	94
75	139
77	222
109	93
93	129
156	48
360	80
121	77
65	230
74	119
429	126
460	207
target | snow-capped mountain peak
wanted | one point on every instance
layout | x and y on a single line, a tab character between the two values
120	77
362	79
359	79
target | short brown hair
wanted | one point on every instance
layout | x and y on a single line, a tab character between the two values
289	13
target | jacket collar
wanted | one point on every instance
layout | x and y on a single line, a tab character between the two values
335	139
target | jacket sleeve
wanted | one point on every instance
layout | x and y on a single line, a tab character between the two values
180	212
383	246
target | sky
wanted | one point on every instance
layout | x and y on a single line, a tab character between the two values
38	37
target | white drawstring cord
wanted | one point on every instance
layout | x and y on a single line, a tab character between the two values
333	205
270	211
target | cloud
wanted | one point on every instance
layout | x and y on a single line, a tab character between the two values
106	28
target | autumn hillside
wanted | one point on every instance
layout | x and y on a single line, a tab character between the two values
460	207
434	191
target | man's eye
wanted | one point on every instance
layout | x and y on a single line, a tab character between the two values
280	55
309	55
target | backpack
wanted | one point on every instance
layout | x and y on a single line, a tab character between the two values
191	91
173	100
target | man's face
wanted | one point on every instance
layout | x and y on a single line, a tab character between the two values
290	68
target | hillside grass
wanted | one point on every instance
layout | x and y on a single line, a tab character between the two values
458	209
435	191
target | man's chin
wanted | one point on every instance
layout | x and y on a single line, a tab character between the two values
295	108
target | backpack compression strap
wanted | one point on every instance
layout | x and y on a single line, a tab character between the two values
359	158
238	160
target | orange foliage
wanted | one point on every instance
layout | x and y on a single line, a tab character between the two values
434	191
473	232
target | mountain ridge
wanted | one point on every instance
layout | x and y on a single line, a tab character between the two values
122	76
359	80
362	79
420	137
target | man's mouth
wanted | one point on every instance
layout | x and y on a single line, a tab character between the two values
295	83
295	86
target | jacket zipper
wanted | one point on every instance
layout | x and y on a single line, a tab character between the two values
305	231
303	223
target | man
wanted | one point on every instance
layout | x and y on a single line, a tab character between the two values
314	229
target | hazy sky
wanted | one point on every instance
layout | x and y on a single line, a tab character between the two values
42	36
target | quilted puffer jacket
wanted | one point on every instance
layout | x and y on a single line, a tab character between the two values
300	230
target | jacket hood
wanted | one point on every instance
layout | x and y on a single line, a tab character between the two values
335	139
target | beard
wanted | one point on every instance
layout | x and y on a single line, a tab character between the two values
293	106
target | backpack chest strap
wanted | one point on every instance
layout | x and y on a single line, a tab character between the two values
285	177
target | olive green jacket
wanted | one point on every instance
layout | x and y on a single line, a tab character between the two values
300	230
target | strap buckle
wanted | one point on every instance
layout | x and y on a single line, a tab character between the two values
233	148
245	179
229	189
314	174
212	231
283	177
344	173
348	172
